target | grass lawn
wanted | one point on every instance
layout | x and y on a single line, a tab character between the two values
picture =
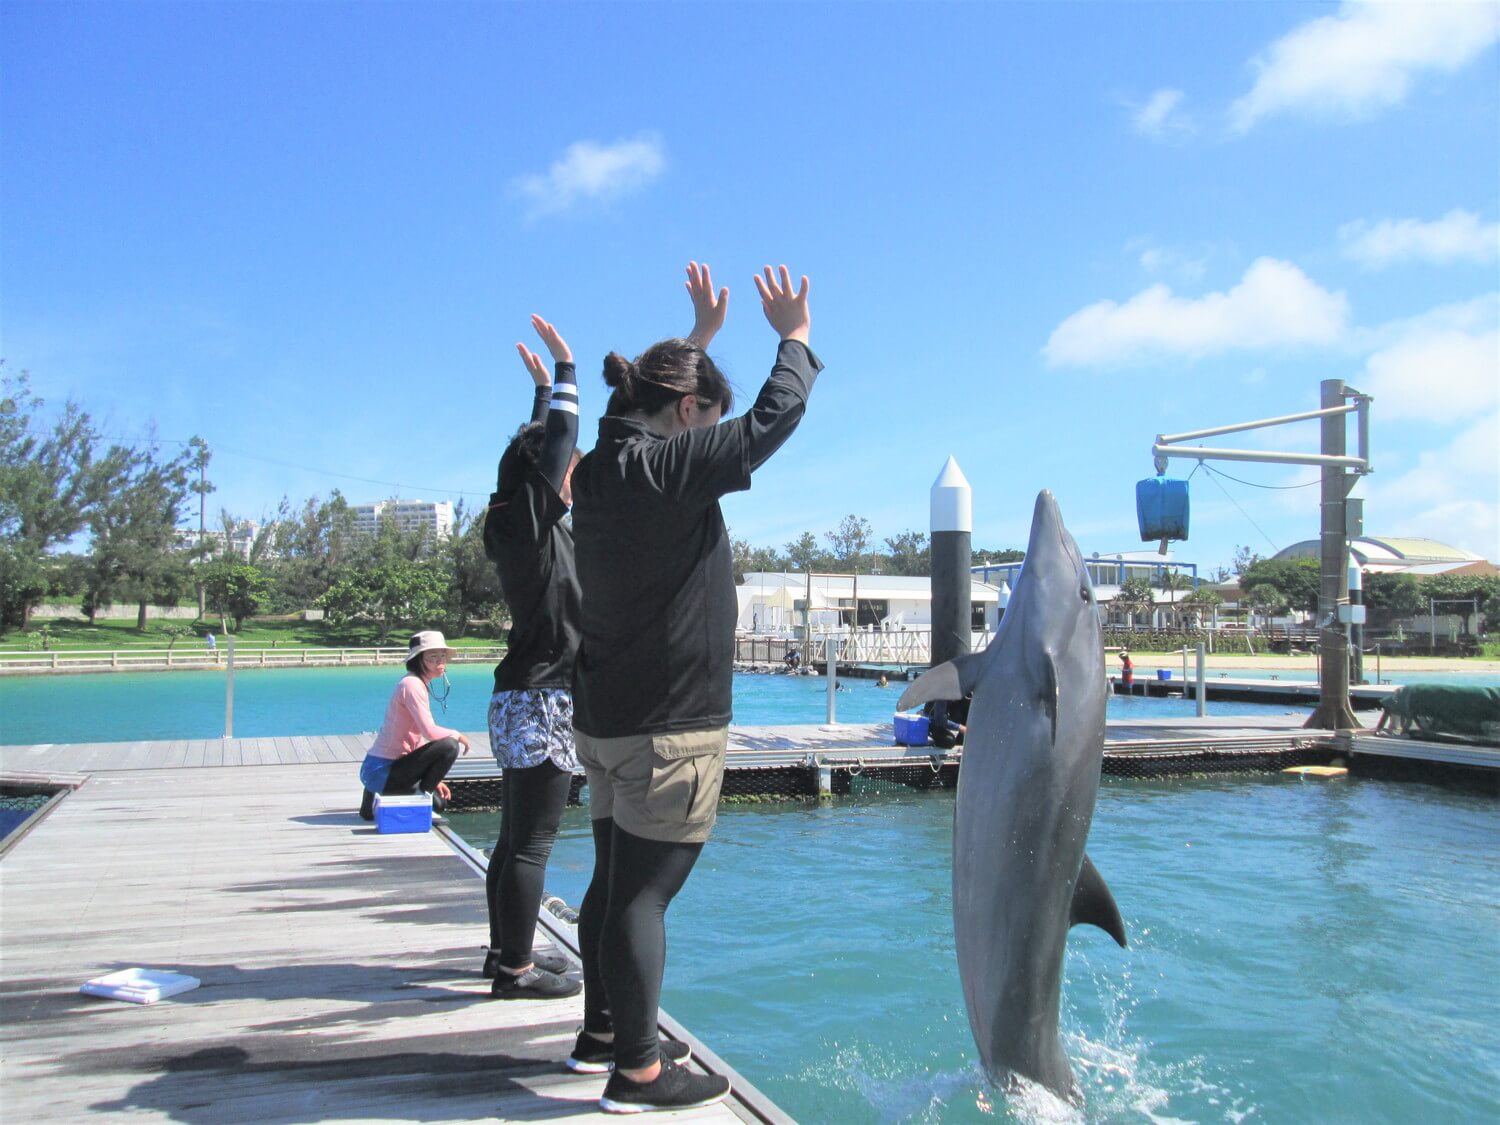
72	633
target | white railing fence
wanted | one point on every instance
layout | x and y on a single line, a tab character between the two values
245	656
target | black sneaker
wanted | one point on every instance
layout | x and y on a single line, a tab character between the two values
533	984
674	1088
595	1056
551	962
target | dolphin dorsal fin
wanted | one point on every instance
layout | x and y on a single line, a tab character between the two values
952	680
1093	905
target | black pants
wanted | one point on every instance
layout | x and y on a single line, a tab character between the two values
623	933
533	800
423	768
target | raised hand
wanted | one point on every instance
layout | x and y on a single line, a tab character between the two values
556	346
785	310
708	310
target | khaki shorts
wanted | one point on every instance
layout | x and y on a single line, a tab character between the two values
657	786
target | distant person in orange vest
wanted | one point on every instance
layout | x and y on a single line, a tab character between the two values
1127	669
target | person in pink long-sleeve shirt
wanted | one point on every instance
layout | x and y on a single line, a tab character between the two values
411	751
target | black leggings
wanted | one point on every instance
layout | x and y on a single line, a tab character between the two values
532	805
623	933
423	768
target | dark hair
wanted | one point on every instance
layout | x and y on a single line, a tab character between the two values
523	452
414	665
662	374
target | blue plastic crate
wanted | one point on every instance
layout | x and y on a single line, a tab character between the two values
911	730
404	813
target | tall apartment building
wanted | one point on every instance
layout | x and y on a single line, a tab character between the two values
435	516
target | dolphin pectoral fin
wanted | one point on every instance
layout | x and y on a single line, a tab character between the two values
952	680
1093	905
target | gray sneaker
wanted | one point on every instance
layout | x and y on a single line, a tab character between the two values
674	1088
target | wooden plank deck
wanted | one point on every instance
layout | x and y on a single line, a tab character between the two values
339	967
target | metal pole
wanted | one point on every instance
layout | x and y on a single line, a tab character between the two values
1333	711
1356	629
1202	694
229	688
831	666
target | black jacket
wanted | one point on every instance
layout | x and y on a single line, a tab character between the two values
654	562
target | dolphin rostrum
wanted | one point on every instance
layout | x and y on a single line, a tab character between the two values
1026	792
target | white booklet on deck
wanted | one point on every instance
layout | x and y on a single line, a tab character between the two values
139	986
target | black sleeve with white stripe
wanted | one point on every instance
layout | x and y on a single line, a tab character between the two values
561	434
539	404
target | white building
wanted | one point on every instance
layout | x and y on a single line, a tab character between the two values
434	516
239	541
778	603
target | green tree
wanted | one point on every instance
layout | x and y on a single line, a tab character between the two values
910	554
803	552
1266	600
134	533
1297	579
307	546
1396	595
395	593
473	584
1136	597
51	476
849	541
1199	605
748	559
1171	581
233	589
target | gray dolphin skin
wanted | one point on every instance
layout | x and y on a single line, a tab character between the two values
1026	791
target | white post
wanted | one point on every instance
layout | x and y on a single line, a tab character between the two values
1202	676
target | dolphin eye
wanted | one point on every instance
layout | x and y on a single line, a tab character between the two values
1084	593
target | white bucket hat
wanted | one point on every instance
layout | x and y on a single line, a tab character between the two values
429	640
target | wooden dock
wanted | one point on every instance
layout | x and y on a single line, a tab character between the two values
1302	693
339	966
749	747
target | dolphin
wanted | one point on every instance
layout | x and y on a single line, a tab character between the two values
1026	790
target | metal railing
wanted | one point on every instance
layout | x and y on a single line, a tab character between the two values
858	646
266	656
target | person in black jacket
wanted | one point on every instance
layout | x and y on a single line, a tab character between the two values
531	711
655	667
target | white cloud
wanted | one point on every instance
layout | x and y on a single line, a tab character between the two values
1167	260
1452	494
1364	58
1274	305
592	172
1162	116
1458	236
1437	370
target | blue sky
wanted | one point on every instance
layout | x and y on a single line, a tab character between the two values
1038	235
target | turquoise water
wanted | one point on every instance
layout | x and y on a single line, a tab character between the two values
277	702
1301	950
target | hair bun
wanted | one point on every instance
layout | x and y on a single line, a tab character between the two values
618	371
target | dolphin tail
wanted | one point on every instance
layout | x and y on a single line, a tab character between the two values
1093	905
952	680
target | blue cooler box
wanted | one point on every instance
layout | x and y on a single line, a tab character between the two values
407	813
1164	673
911	730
